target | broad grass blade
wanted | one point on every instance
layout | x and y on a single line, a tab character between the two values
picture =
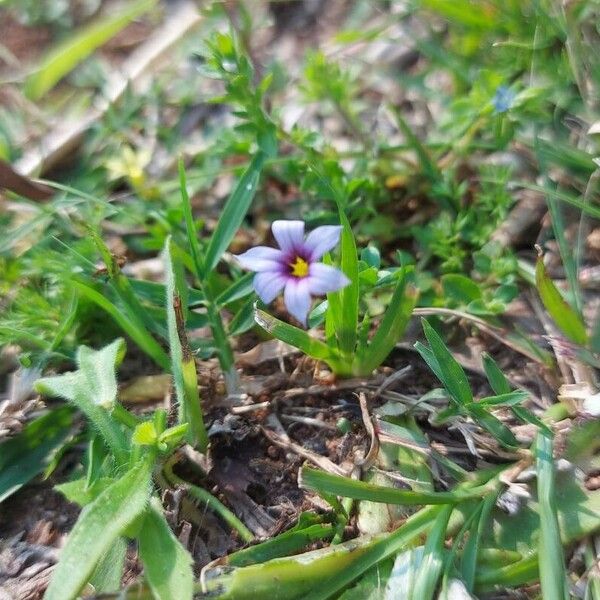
233	214
566	318
553	578
63	59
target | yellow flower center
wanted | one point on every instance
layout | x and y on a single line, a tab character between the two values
299	267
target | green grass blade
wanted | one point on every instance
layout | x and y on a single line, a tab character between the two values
326	483
64	58
128	322
428	165
295	337
566	318
30	452
307	530
553	578
495	376
390	329
190	227
453	375
234	211
167	564
414	527
506	399
99	525
183	365
347	322
468	562
209	501
240	288
432	562
482	416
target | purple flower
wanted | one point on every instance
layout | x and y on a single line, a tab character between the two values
294	268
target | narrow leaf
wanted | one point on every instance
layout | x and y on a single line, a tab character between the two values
326	483
128	322
64	58
234	211
553	578
30	452
453	375
293	335
391	328
432	562
565	317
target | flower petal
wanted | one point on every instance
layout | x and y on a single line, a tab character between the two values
268	284
323	278
297	298
289	235
262	258
322	239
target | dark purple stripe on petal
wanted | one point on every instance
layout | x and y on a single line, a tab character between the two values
289	235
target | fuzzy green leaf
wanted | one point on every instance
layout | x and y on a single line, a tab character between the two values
167	564
98	527
92	389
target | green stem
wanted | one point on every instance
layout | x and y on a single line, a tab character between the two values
207	498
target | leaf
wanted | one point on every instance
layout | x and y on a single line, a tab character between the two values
565	317
97	529
390	329
326	483
191	231
452	374
66	56
500	384
91	389
428	165
233	213
432	562
492	424
167	564
128	322
295	337
460	288
346	322
239	289
183	365
308	529
97	367
496	378
553	577
507	399
108	573
30	452
79	492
